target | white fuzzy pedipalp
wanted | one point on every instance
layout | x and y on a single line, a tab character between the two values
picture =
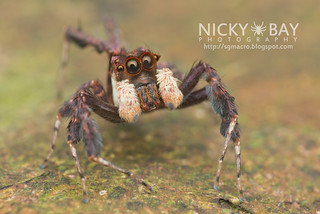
129	105
169	90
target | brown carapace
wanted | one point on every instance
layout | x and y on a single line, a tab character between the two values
136	83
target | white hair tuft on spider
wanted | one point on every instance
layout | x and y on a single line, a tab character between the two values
129	105
168	88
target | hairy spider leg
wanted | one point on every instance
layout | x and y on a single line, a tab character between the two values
197	97
238	161
65	110
82	127
226	143
64	62
176	73
110	113
83	182
223	104
82	40
102	109
54	139
103	162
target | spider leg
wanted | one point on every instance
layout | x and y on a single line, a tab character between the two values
197	97
223	104
103	162
176	73
65	110
76	36
82	127
63	64
226	143
54	139
194	98
75	157
100	108
83	40
112	32
238	162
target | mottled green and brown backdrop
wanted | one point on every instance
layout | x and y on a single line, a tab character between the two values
277	93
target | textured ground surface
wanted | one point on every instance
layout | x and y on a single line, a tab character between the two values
177	152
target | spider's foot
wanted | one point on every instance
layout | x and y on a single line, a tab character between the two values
85	200
215	187
149	187
242	199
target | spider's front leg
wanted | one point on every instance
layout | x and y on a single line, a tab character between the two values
82	40
222	103
82	127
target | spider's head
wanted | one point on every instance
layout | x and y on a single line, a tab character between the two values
136	70
137	84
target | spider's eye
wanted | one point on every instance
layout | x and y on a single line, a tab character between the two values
132	66
146	62
157	57
120	68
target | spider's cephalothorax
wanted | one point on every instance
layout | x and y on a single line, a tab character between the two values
136	83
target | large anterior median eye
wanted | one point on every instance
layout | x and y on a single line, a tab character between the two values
132	66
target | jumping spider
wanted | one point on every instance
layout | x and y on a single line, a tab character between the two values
136	83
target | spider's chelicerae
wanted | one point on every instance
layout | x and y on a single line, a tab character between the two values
136	83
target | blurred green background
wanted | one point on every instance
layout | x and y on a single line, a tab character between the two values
177	152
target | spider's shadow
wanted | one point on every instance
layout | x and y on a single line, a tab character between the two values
145	140
153	138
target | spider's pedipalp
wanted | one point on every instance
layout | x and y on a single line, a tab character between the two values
168	88
129	105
